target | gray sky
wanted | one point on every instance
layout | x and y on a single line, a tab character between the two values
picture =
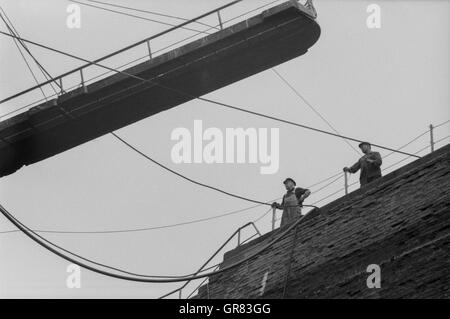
383	85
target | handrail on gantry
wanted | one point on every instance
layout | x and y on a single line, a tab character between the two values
236	232
79	69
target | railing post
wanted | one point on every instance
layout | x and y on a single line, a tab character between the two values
179	294
61	86
431	138
274	211
220	20
346	183
239	237
149	50
256	228
82	81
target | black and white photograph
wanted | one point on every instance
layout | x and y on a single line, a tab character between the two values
218	156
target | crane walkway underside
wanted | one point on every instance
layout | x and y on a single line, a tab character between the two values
275	36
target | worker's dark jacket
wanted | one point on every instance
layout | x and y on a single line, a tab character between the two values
369	171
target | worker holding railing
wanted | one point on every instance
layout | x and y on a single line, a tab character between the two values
369	165
292	202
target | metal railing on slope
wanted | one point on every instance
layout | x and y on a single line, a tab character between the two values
237	233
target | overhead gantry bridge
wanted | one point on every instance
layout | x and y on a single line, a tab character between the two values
213	61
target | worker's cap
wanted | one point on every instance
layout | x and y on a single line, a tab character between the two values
364	143
289	179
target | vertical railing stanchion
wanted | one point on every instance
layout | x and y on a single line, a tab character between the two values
220	20
346	183
179	294
61	86
274	211
239	237
256	228
149	50
431	138
82	81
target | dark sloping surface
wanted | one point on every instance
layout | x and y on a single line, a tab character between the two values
400	223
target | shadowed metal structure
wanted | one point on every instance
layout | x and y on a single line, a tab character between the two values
275	36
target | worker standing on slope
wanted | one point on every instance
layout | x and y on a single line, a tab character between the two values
292	202
369	165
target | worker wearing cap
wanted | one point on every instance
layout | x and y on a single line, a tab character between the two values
369	165
292	202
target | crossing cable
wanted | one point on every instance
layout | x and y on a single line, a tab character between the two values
191	180
421	150
122	49
330	183
89	260
96	263
181	223
416	138
325	180
443	123
227	192
291	257
45	73
262	216
180	289
273	69
185	177
203	184
154	279
300	96
135	16
146	56
140	229
305	127
162	276
211	101
384	169
186	38
334	193
206	99
219	103
407	144
215	266
149	12
23	57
